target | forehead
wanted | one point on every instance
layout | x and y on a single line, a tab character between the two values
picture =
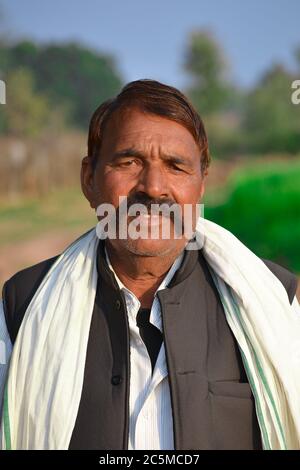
137	128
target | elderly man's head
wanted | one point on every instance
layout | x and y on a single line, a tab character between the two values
149	145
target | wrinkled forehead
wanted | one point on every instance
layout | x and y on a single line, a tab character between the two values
138	128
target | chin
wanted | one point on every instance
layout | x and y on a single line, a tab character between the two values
150	247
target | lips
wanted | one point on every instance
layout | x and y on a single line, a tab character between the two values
148	219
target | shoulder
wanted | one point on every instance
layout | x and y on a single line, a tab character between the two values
19	290
286	277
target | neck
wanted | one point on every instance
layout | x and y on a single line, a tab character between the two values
142	275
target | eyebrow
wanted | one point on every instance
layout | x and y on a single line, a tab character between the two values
132	152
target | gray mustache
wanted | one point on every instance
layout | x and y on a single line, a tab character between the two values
148	202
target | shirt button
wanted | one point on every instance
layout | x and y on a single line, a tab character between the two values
118	304
116	379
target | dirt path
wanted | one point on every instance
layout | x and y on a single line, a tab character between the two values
20	255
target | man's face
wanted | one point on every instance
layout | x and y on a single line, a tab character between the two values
147	158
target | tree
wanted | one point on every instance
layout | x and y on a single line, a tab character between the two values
70	75
26	113
271	120
210	90
297	58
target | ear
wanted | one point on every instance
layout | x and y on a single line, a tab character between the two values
203	184
87	180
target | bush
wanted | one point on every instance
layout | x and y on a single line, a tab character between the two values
263	211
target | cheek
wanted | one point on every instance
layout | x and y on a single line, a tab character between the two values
189	192
112	185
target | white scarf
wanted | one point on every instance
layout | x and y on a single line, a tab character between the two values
46	370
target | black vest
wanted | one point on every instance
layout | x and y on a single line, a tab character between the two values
212	403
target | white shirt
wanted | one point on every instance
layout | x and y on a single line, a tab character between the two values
151	422
151	419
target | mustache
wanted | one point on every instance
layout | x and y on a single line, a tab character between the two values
166	203
140	198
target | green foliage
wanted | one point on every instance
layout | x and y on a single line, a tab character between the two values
263	211
205	62
71	81
262	120
271	119
297	57
69	75
26	112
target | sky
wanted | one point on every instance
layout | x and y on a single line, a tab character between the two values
149	38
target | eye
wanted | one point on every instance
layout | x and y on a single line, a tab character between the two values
175	167
127	163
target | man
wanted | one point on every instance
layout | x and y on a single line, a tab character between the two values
129	342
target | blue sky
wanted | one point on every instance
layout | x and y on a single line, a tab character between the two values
148	38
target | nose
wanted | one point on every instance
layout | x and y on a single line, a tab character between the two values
153	182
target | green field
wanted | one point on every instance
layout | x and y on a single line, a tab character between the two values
261	207
65	209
